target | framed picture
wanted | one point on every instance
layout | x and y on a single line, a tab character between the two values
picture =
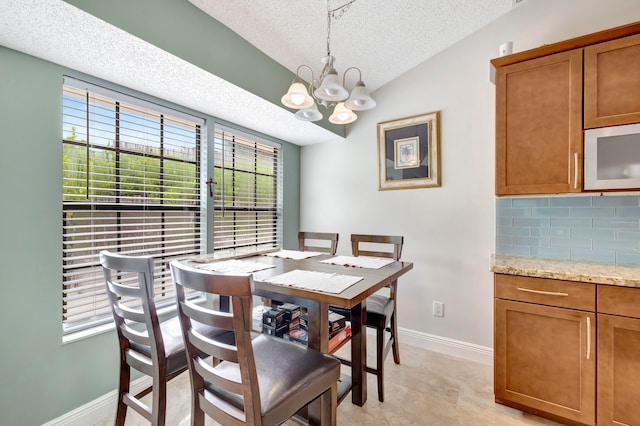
409	152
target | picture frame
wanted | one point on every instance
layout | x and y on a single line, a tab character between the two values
409	152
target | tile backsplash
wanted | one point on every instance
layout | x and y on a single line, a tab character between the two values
593	228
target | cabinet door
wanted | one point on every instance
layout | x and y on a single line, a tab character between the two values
618	370
545	360
612	83
539	125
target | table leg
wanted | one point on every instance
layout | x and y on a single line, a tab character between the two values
359	354
318	325
318	339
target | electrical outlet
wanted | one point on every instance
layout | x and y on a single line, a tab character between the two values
438	309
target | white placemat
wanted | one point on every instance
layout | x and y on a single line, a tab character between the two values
234	266
359	261
294	254
319	281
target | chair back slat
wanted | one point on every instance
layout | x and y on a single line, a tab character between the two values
224	412
129	313
213	318
239	289
374	245
133	335
218	350
124	290
231	382
311	241
140	362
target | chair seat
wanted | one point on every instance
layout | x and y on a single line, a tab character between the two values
379	310
283	369
174	349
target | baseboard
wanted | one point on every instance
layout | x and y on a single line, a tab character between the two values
97	410
456	348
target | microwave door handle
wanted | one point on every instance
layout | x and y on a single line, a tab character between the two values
575	170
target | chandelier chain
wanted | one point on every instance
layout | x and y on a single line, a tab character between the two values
335	14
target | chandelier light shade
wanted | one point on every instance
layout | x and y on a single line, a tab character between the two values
342	115
328	90
309	114
297	97
360	100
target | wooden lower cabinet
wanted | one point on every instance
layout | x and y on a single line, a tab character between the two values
561	355
618	356
545	360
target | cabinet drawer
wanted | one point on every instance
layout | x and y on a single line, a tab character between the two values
544	291
624	301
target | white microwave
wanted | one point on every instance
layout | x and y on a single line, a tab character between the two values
612	157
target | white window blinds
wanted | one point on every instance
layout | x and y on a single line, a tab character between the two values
131	184
247	193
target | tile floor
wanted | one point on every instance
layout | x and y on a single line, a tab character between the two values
428	388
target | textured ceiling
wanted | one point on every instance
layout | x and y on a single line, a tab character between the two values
382	37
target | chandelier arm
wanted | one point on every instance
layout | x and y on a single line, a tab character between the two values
344	75
312	82
307	67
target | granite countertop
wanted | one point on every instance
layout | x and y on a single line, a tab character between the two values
569	270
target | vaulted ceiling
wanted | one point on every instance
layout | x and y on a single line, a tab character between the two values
384	38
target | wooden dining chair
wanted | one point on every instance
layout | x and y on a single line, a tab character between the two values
146	344
381	307
263	381
312	241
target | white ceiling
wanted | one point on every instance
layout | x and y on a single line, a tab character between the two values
384	38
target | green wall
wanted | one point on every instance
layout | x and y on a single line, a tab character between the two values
41	377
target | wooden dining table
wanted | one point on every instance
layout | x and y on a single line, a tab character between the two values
317	305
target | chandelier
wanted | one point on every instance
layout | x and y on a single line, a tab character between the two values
327	90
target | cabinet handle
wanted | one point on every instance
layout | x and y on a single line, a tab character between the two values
547	293
575	170
588	337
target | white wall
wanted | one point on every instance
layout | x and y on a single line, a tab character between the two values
449	231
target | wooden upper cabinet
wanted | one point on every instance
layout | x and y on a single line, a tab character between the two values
612	83
539	125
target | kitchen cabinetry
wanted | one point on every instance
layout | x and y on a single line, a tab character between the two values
550	353
539	125
545	360
618	355
539	107
612	83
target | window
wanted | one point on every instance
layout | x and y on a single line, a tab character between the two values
131	184
247	193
